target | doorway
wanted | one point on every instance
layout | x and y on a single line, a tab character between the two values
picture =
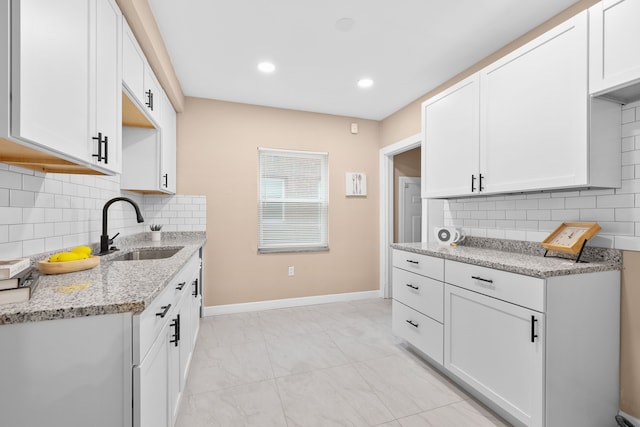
432	210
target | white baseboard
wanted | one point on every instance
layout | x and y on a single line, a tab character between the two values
634	420
215	310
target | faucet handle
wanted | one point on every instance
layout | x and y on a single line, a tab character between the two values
114	236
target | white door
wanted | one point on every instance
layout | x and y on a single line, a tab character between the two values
498	349
409	210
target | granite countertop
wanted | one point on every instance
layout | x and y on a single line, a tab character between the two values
111	287
524	258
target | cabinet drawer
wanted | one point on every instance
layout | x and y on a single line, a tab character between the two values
421	264
423	332
148	324
515	288
418	292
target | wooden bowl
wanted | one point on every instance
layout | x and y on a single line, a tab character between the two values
47	267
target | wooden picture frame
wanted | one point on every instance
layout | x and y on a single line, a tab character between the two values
570	237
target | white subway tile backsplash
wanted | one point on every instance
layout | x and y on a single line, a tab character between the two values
595	215
515	235
45	212
553	203
628	115
538	196
537	214
527	204
521	214
580	202
10	215
627	214
4	197
616	201
506	204
18	232
618	228
21	199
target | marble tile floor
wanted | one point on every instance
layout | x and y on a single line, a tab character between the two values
318	366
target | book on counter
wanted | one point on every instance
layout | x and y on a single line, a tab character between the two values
25	285
11	267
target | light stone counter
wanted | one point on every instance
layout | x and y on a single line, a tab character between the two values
111	287
524	258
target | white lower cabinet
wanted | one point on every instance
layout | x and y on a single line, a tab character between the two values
497	348
151	383
417	302
161	368
540	352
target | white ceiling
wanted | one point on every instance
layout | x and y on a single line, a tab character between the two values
407	47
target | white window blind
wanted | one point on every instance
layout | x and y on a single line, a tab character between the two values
293	201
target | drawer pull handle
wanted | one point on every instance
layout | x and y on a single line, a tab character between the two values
180	286
413	286
176	331
412	323
165	310
195	288
533	328
413	262
481	279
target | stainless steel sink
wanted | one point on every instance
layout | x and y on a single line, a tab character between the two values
145	254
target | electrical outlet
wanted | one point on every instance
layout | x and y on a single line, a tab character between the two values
292	271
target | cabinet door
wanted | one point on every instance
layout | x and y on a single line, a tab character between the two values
151	384
133	64
450	123
498	349
176	344
108	101
168	136
614	44
534	113
50	60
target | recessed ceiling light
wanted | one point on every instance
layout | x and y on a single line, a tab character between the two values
365	83
266	67
345	24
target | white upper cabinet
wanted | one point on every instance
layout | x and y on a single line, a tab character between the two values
168	139
64	68
149	126
138	77
133	65
529	126
108	74
614	50
450	143
534	115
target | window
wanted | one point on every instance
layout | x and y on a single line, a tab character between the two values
293	202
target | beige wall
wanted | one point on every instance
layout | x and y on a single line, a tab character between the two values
404	164
217	157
